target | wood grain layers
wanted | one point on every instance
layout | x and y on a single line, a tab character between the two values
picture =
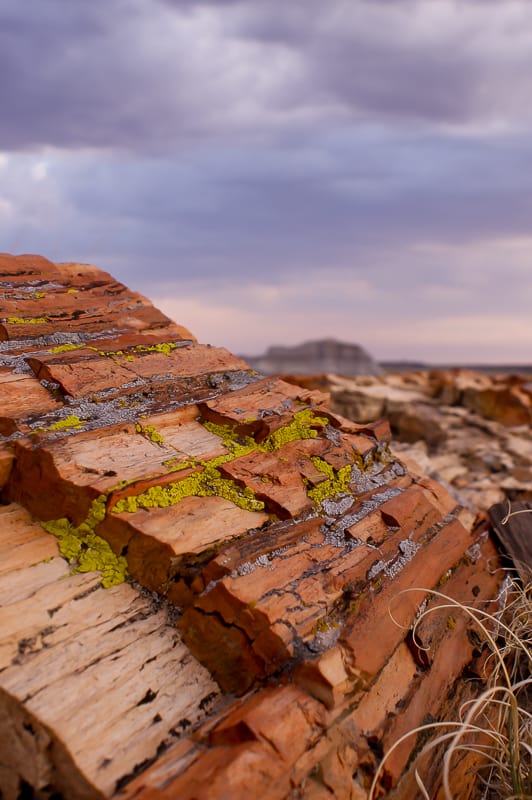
93	682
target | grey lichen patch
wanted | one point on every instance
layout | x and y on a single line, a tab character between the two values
335	508
325	638
337	538
391	568
250	566
474	553
42	344
333	435
337	524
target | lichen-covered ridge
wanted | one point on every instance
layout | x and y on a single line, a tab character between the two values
86	550
208	481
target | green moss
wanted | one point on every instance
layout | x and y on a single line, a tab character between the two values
30	321
337	482
149	432
207	483
84	550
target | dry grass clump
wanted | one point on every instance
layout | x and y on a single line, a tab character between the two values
497	725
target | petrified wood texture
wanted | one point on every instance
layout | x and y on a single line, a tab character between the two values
281	548
93	681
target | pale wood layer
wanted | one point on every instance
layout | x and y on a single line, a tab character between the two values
93	682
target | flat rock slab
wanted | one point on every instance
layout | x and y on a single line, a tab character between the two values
120	374
22	395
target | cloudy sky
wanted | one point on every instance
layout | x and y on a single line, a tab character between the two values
271	171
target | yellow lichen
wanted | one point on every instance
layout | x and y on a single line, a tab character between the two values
149	432
337	482
324	625
175	464
29	321
69	422
163	347
207	483
84	550
303	426
110	353
72	291
237	445
38	295
64	348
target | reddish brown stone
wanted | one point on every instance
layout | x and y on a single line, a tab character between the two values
22	396
367	653
121	374
280	486
6	463
159	540
262	408
509	406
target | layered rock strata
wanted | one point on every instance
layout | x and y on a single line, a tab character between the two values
276	556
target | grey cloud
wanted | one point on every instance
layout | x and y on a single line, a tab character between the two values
247	211
151	76
400	59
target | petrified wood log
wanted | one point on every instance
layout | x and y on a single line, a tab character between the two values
276	557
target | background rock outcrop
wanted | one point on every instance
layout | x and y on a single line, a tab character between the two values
323	355
469	430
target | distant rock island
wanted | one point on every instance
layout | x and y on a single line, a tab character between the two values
320	356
